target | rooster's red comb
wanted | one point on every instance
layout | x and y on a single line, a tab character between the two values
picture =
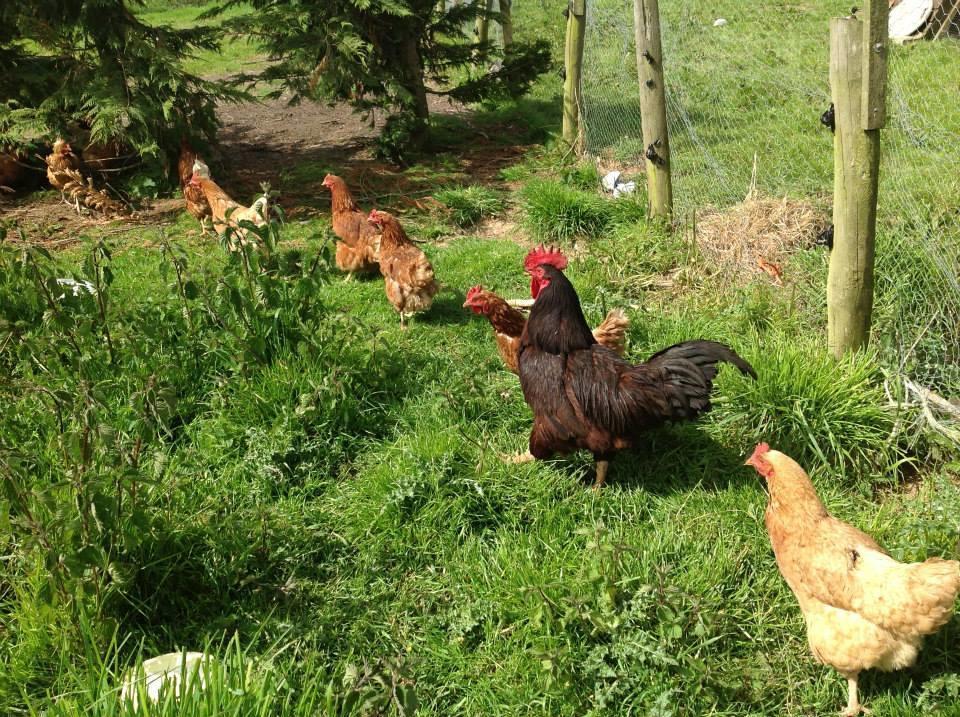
545	255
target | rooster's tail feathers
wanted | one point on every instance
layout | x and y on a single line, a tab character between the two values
705	355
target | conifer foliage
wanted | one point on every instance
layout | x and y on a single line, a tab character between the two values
390	55
72	67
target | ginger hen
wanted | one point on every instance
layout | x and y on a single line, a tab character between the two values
508	323
863	609
358	250
585	396
196	200
61	160
407	273
221	205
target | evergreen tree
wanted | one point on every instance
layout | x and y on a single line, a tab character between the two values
388	54
70	65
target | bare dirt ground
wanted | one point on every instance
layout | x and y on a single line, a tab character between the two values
290	147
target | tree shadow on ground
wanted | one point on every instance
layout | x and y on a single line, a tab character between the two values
293	148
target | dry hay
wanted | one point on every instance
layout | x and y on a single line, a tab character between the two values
755	236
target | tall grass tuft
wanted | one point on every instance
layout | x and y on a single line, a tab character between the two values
815	408
556	212
468	205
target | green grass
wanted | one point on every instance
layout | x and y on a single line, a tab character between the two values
236	55
345	505
556	211
277	474
468	205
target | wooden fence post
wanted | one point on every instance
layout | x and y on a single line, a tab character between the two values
506	23
482	29
857	82
653	106
573	66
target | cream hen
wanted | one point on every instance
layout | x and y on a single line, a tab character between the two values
863	609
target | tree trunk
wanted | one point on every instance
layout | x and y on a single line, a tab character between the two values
413	83
653	107
573	65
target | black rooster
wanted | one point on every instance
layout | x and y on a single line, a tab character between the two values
584	395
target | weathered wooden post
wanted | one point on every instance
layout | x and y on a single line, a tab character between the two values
653	106
858	70
506	22
573	66
483	23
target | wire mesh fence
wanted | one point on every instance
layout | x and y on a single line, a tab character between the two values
746	85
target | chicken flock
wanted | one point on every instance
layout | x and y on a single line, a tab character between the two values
862	608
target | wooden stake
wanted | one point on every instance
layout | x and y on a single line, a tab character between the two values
483	23
573	63
506	23
653	106
856	150
874	89
945	27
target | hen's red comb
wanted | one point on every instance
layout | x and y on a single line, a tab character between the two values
758	453
545	255
473	291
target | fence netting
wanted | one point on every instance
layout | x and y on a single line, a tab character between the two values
746	85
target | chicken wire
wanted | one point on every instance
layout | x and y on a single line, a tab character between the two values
745	94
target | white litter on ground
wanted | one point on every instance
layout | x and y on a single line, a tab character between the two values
172	671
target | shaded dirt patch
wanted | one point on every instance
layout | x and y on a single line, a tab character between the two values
291	148
45	220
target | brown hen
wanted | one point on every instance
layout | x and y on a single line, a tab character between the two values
61	160
225	211
196	200
407	273
358	250
508	323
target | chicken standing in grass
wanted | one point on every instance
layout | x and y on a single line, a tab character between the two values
508	323
863	609
585	396
407	273
61	160
221	205
196	200
358	250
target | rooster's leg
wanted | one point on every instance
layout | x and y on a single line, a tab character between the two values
854	707
602	466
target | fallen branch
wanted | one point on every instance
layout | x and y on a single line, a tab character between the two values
926	398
